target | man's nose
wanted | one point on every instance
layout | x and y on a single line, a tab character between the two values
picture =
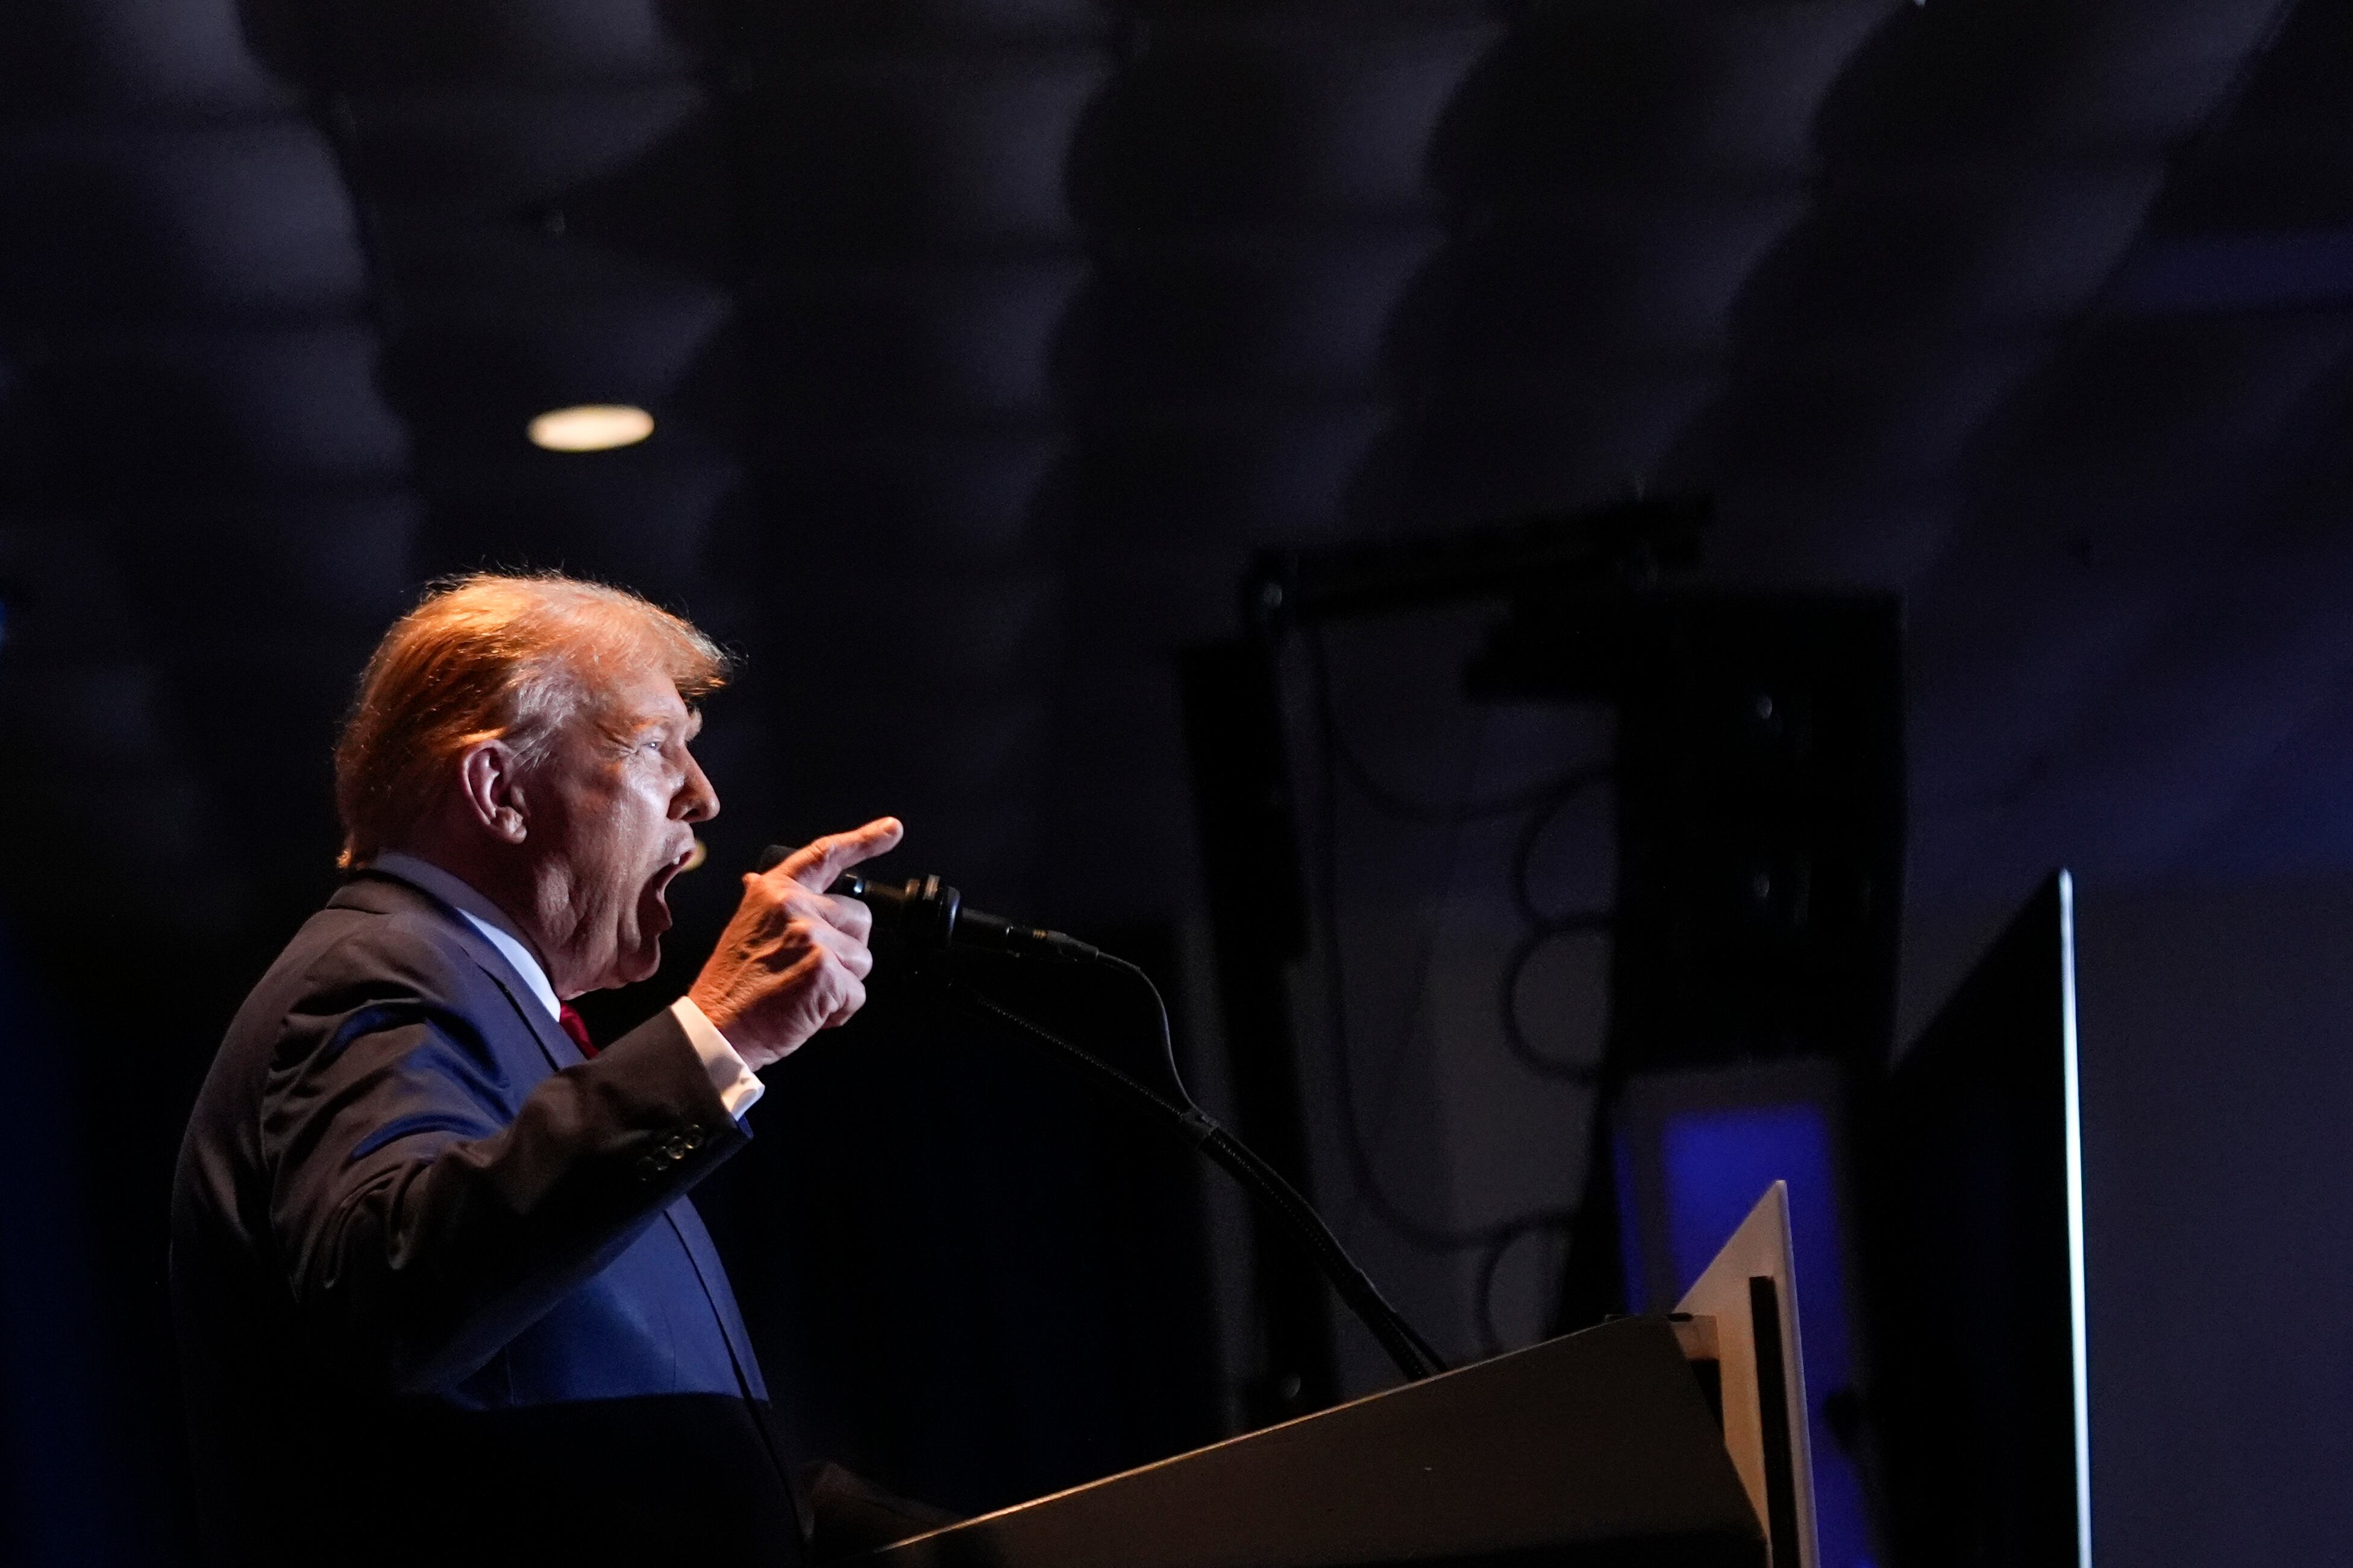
696	800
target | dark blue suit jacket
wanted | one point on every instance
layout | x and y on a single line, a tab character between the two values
438	1289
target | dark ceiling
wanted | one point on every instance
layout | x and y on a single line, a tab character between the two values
988	338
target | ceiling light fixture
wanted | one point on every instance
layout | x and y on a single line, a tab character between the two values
591	427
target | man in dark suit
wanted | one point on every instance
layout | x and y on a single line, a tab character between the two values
439	1291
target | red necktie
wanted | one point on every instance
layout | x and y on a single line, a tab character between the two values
576	1027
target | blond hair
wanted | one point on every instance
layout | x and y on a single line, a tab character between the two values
492	656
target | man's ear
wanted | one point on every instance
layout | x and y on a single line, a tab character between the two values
492	785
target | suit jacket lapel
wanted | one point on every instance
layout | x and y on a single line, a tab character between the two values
379	890
554	1043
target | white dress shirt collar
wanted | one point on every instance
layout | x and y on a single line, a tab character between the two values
481	913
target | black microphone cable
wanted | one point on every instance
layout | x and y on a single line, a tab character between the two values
1413	1355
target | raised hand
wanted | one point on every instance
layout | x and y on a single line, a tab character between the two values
794	959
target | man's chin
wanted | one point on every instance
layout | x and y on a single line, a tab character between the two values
642	961
637	950
634	959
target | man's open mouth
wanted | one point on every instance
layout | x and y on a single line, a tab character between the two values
657	890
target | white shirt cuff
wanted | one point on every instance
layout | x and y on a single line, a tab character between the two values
739	1091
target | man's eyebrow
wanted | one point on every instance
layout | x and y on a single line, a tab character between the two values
633	727
643	724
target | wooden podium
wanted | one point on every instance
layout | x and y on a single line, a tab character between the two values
1596	1448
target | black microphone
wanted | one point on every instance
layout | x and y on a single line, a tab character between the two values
928	913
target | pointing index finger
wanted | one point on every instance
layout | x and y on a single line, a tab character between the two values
816	863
